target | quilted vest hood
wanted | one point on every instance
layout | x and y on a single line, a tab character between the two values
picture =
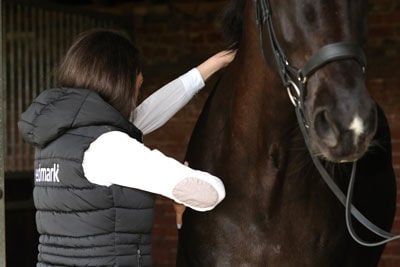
56	111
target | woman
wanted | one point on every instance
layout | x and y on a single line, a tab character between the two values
94	179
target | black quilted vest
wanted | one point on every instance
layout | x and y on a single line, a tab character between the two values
80	223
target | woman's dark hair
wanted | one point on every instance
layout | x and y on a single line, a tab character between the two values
105	61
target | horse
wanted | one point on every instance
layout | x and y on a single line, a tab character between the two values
278	211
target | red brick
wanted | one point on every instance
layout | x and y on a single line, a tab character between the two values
389	261
388	18
393	248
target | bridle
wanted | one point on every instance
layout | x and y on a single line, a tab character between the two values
295	81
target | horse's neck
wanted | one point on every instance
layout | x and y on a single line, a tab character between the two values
261	125
260	88
249	119
259	99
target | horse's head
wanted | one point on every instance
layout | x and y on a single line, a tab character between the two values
338	109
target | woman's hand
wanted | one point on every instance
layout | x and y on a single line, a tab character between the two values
215	63
179	209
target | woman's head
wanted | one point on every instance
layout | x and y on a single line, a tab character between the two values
106	62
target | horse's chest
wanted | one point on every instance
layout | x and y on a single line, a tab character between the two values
279	241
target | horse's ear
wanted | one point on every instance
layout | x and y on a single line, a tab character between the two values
231	20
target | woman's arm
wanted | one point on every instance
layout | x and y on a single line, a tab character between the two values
116	158
158	108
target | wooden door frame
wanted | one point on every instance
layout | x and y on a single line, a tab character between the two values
2	143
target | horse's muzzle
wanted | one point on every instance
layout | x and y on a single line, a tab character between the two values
343	136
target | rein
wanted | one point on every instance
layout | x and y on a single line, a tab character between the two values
295	81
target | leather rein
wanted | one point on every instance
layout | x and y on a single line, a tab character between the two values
295	81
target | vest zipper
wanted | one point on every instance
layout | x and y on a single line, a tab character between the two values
139	257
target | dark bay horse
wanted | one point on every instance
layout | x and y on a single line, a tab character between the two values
278	211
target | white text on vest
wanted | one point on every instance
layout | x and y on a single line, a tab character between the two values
47	174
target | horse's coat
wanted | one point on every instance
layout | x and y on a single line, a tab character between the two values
278	211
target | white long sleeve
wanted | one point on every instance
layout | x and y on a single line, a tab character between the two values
116	158
159	107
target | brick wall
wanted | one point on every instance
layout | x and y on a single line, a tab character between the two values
175	38
384	84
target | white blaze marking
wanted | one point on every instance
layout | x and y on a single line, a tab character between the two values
358	127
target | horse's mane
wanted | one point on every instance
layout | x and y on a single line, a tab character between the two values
232	22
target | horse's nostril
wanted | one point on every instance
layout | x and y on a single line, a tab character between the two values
325	129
